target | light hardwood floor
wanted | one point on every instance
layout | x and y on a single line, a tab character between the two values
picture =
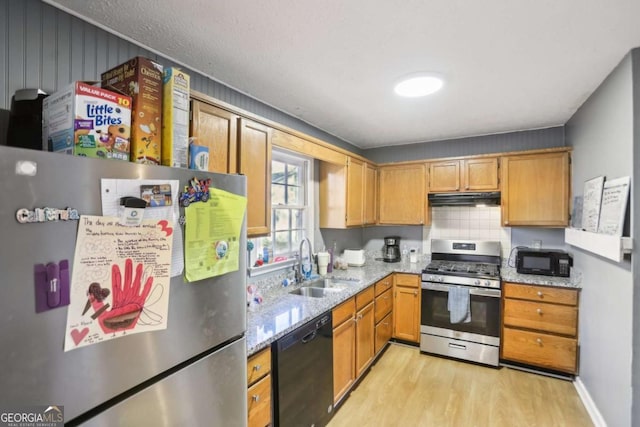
407	388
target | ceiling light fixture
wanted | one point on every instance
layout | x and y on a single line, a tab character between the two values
419	85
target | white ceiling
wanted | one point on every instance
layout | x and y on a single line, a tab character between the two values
508	65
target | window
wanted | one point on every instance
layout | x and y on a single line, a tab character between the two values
290	213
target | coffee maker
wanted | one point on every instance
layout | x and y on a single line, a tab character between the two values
391	252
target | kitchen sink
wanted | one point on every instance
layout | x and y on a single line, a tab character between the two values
322	287
329	283
308	291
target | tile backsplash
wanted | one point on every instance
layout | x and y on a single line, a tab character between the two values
467	222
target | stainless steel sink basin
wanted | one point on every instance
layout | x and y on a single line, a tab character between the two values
322	287
329	283
308	291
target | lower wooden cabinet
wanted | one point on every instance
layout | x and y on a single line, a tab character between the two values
259	389
361	328
382	314
540	326
344	348
384	328
406	307
364	330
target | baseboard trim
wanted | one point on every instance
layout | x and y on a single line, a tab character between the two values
588	403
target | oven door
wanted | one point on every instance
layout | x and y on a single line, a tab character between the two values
484	326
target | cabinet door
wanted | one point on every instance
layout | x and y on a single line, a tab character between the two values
444	176
480	174
355	192
364	338
370	192
402	194
333	195
255	163
259	403
406	310
216	129
344	358
535	190
384	305
384	329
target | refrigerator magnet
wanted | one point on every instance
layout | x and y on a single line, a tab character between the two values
131	211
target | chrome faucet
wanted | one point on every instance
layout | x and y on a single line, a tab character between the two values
300	273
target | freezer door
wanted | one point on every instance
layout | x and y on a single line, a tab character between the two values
206	393
35	369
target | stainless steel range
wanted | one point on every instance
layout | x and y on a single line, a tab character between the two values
460	312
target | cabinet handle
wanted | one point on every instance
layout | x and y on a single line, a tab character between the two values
257	367
415	293
540	294
539	341
539	311
255	397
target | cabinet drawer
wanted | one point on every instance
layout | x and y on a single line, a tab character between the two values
548	351
259	403
364	297
384	329
384	303
344	311
383	284
410	280
541	293
559	319
258	365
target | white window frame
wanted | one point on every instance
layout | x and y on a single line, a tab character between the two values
308	220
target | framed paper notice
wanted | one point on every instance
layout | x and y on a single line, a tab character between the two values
614	206
591	201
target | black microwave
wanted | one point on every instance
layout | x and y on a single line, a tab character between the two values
544	262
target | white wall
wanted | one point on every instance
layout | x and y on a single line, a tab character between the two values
601	133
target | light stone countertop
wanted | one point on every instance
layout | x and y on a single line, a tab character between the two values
281	312
509	274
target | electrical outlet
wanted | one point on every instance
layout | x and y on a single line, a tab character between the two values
537	244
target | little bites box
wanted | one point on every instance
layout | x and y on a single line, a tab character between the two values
86	120
175	118
141	78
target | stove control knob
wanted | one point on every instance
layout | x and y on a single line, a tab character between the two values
440	279
487	283
476	282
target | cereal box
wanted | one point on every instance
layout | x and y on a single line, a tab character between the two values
141	78
86	120
175	118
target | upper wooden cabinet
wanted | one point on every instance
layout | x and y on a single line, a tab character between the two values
254	153
355	192
476	174
216	129
535	189
345	194
370	194
403	194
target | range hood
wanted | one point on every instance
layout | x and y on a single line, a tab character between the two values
465	199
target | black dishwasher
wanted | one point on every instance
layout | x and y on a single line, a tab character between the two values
303	383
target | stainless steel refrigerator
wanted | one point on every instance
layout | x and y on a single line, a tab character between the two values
192	373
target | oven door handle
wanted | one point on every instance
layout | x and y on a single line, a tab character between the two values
484	292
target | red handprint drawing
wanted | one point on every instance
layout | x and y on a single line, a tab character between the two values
127	300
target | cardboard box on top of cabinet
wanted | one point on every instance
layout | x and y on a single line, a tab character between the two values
141	78
175	117
86	120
